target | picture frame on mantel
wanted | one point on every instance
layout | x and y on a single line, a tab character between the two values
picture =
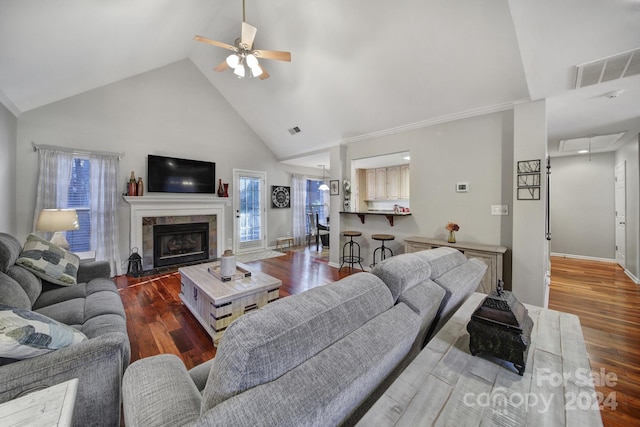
334	187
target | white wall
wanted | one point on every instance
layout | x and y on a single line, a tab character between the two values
476	150
8	132
582	206
171	111
530	261
629	153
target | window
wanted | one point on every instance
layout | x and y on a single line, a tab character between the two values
79	198
316	201
90	183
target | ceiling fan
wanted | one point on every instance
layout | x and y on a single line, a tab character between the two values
243	53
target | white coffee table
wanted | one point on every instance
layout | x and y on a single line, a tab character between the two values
446	385
216	303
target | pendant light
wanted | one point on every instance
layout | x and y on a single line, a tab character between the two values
323	186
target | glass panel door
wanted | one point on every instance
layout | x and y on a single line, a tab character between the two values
249	206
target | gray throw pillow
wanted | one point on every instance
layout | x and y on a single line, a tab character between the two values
25	334
49	261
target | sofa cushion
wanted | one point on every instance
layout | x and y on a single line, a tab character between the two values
75	305
10	249
264	344
12	294
49	261
441	260
401	272
25	334
326	388
31	283
458	284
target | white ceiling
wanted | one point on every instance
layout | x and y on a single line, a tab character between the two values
358	67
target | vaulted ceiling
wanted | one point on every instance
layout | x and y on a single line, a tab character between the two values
359	67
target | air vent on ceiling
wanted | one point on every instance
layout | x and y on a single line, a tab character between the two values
294	130
589	143
612	68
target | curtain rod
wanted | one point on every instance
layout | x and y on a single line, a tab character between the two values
37	147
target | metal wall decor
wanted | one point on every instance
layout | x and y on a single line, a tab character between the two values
529	180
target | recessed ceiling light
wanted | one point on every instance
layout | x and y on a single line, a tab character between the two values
583	151
406	158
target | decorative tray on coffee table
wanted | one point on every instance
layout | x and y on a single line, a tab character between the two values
240	273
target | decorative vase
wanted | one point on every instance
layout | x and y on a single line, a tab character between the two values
452	237
226	189
220	188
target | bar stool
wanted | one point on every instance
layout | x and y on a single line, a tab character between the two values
352	249
382	238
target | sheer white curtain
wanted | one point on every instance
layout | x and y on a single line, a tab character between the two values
298	205
54	176
104	204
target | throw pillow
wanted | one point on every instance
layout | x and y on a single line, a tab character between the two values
25	334
49	261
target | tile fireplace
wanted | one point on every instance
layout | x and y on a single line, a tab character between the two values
173	216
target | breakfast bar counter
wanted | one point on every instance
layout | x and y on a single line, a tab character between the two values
389	214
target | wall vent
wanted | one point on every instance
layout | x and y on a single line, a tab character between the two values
612	68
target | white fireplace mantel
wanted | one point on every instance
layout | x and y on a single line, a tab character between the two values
175	205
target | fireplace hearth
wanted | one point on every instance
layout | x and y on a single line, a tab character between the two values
175	244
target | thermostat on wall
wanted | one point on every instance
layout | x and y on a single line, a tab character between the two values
462	187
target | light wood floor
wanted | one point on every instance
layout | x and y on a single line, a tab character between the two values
608	304
605	299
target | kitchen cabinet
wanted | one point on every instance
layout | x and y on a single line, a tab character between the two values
391	183
404	182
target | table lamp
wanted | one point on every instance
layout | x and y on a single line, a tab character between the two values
58	220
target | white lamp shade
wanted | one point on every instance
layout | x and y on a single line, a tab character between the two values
233	61
239	71
57	220
256	71
323	187
251	61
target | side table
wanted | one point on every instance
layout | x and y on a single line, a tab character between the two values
52	406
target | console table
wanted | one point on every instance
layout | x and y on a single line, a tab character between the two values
446	385
491	254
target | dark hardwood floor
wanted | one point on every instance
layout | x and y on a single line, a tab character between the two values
605	299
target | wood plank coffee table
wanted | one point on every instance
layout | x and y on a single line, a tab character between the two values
446	385
216	303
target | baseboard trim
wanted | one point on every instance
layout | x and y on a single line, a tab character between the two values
590	258
632	277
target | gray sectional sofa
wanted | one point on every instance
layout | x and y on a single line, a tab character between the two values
321	357
92	309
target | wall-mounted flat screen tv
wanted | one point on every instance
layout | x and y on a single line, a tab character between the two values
173	175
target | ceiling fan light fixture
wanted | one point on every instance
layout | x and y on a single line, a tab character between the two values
239	71
256	71
251	60
233	61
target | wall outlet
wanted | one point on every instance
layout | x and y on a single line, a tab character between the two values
499	209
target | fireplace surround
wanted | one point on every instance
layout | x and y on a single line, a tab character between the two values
151	210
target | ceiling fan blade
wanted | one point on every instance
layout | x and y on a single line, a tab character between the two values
222	66
273	54
264	74
248	35
215	43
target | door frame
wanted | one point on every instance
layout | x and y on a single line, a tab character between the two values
620	220
237	173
